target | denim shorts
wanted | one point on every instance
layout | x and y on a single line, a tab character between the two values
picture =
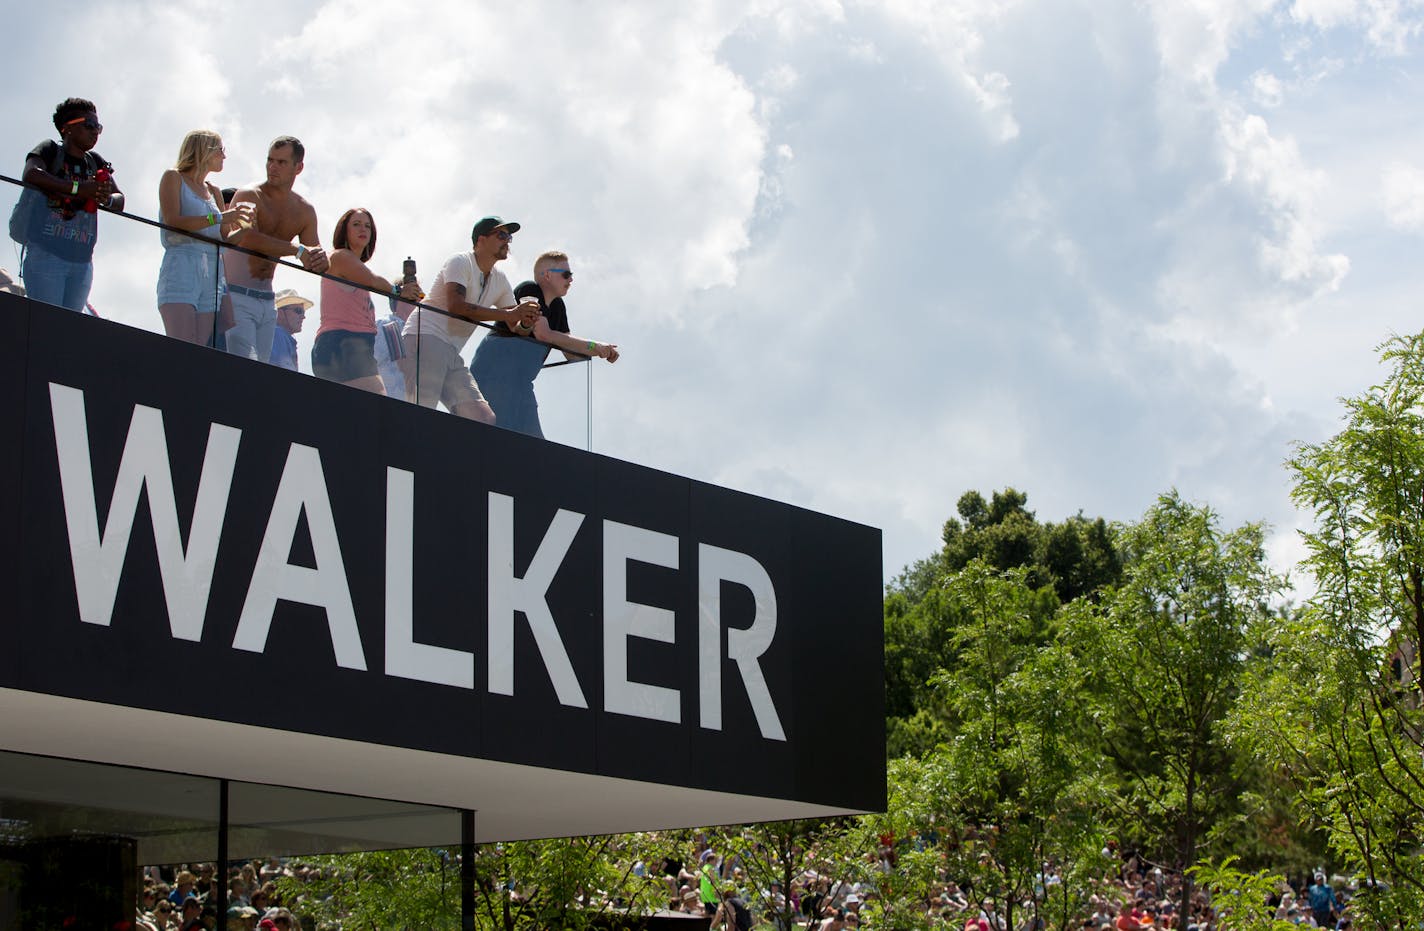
191	275
340	355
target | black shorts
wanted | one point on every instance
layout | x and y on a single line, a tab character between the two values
340	355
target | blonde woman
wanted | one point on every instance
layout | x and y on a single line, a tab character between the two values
190	280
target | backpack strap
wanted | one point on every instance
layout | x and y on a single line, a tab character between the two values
56	160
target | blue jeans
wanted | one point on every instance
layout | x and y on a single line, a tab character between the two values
56	281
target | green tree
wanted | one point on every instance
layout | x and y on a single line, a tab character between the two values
564	883
1241	898
384	889
1336	705
1076	557
1061	561
1163	654
1015	791
781	851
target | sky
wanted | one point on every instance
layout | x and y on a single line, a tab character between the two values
860	257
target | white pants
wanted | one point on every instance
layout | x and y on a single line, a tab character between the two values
253	321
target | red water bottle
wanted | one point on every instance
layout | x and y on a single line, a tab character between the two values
103	177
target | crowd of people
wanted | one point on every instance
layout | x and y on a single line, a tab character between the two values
733	895
221	248
1138	897
183	899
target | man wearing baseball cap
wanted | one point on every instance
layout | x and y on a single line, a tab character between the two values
468	288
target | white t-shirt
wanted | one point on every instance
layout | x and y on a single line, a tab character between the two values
490	290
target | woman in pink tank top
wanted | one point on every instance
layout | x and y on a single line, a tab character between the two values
344	350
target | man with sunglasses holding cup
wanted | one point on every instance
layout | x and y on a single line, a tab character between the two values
469	289
505	368
59	233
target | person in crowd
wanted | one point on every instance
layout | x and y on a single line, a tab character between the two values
708	879
281	919
144	919
345	342
165	916
291	314
9	285
183	885
390	348
60	228
192	914
468	288
505	368
190	279
237	893
1323	905
280	215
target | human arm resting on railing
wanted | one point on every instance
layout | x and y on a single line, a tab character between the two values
526	312
573	346
105	193
307	249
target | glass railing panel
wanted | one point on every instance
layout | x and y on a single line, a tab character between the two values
216	271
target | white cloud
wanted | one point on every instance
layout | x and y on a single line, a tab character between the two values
1402	189
1274	170
1266	89
952	31
1389	25
1195	37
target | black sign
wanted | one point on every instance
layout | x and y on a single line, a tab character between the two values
195	533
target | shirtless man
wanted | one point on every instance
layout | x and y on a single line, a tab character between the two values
281	216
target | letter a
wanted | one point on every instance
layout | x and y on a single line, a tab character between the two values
303	488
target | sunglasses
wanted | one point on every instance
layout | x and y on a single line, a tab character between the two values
89	123
504	235
568	275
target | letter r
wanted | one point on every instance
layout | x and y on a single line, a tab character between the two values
715	566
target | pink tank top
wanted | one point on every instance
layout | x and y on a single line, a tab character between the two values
345	308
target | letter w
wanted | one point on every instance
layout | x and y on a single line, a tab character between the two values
98	561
